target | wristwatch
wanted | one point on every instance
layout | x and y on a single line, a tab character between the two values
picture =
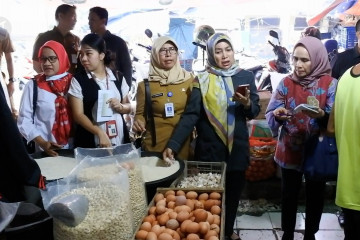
12	79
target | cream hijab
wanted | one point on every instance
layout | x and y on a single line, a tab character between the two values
175	75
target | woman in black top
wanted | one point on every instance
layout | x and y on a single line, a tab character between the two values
219	114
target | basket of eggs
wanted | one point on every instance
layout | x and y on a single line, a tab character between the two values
183	214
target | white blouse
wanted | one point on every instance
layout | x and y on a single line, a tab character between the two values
76	91
44	116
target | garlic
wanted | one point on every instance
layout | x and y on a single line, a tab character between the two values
200	180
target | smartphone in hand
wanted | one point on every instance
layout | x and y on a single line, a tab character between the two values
242	89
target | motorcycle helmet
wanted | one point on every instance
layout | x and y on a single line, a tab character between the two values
202	34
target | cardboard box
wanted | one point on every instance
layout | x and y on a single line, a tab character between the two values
264	102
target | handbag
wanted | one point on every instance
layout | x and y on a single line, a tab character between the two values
321	158
149	118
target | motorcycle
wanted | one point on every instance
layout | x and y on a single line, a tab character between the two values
252	64
278	68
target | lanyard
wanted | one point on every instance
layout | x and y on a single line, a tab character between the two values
107	82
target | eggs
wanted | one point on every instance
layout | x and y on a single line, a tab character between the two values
192	227
180	200
158	197
172	224
192	236
151	236
165	236
141	235
215	195
191	195
215	210
182	215
146	226
200	215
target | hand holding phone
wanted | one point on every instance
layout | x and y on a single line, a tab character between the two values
242	89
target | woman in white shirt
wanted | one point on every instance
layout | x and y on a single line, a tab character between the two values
50	125
98	99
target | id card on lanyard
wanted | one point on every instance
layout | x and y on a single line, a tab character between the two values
104	111
111	129
169	106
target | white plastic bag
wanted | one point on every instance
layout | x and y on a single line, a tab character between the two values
7	213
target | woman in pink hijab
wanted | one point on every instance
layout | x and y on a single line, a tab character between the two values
49	126
310	83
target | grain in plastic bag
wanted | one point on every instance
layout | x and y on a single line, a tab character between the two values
109	214
128	157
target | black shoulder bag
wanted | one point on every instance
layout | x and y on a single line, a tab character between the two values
30	147
149	111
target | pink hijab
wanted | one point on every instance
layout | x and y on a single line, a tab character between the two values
320	65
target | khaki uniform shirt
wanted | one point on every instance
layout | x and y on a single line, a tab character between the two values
164	126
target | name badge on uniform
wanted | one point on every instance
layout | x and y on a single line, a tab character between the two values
169	109
111	128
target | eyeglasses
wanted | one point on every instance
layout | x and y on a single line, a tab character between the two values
51	59
164	51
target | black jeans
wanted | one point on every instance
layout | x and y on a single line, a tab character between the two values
351	224
314	190
234	184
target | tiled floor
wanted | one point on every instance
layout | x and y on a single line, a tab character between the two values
268	227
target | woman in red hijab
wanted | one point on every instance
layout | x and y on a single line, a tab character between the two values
49	122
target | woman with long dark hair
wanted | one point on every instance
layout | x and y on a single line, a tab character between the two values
97	87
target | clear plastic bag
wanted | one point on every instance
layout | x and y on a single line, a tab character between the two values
262	165
259	128
124	156
126	150
137	189
7	213
109	213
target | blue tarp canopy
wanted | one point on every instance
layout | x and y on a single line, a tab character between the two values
182	32
342	7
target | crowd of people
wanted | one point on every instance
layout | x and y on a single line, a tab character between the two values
79	98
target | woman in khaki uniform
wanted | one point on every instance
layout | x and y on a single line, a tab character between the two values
169	90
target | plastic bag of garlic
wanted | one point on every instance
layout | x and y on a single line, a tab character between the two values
109	214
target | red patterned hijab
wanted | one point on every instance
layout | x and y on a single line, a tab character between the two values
59	85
